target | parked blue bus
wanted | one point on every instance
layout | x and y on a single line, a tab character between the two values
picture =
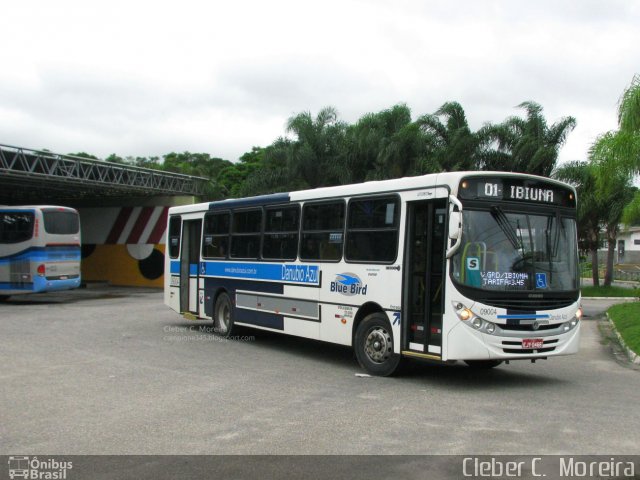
39	249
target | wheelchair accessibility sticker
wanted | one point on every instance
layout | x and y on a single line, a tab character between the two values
541	280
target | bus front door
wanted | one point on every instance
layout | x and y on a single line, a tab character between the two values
189	265
424	267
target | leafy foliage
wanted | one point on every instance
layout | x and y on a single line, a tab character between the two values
323	150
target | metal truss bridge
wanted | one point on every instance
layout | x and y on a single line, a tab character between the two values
28	176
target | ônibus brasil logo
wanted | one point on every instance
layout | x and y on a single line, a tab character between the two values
348	284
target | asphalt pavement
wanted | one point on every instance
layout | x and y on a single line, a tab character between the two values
114	371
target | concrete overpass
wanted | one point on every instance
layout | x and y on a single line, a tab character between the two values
123	208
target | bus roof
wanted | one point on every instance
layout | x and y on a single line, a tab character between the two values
449	179
13	208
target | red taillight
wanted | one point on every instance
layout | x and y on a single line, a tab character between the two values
41	270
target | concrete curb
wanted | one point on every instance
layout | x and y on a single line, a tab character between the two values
622	299
633	356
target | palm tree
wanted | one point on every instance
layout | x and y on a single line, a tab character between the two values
454	146
528	144
619	150
402	154
592	211
616	194
629	107
617	157
622	147
367	138
314	156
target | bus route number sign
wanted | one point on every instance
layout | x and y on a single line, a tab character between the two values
515	189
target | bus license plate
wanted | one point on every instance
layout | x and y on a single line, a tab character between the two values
532	343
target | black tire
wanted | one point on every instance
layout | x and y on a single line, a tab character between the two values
373	344
223	324
4	298
482	364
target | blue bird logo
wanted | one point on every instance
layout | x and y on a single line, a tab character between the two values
348	279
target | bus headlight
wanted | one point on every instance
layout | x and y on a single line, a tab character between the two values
571	324
478	323
463	312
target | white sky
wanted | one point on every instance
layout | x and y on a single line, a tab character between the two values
150	77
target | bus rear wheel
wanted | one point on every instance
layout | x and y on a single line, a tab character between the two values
482	364
223	316
373	345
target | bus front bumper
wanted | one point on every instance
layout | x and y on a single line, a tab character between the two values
465	343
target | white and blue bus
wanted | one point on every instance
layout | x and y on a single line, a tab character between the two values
39	249
474	266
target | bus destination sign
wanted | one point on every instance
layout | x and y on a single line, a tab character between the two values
516	190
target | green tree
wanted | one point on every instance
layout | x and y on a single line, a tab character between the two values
84	155
616	155
403	153
113	158
365	141
528	144
453	145
273	173
617	195
314	156
592	210
232	177
620	149
199	165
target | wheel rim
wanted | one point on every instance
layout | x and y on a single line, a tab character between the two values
224	317
378	345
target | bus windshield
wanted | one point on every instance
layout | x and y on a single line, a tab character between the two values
514	251
61	222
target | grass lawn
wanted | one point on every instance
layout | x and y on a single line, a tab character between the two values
610	292
626	318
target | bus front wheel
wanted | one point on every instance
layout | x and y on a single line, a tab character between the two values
483	364
223	316
373	345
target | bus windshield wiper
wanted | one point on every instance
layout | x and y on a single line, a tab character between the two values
503	222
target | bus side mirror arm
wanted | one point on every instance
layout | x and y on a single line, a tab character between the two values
455	226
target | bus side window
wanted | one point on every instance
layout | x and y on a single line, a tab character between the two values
322	231
175	223
16	227
216	235
245	234
372	230
280	240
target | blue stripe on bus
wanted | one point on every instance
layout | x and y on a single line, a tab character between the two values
44	254
271	199
27	287
288	273
522	317
193	269
278	272
260	319
41	284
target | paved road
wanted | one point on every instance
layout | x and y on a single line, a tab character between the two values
593	308
114	371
